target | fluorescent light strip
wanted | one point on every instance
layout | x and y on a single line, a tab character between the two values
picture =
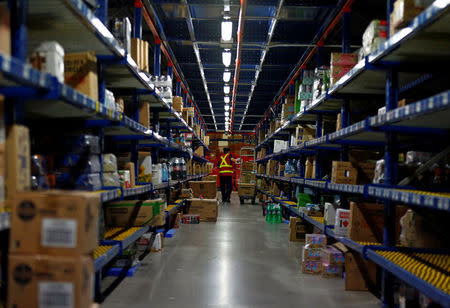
263	57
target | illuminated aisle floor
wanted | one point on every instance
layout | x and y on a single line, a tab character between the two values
240	261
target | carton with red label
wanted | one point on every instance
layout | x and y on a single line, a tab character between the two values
342	222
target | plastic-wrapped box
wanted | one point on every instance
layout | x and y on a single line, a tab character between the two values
89	181
316	240
121	29
86	144
343	59
311	267
374	36
415	158
406	10
331	255
311	254
378	177
109	162
111	179
332	270
49	58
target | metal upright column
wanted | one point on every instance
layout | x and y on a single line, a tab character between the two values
157	57
185	99
345	108
101	10
178	92
170	70
137	29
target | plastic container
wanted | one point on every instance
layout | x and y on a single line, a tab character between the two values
50	59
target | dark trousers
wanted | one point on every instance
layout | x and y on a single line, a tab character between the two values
226	186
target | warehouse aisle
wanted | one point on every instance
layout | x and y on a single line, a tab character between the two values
240	261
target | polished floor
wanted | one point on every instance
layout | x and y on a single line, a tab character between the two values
240	261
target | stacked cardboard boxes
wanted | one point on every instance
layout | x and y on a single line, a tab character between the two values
177	104
296	229
53	235
139	53
204	189
340	64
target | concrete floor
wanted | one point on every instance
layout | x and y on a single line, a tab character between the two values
240	261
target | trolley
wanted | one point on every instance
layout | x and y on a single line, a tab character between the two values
247	175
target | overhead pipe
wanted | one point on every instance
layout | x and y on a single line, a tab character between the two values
345	8
165	51
238	58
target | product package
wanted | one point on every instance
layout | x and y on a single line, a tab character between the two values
49	58
342	221
316	240
111	179
85	181
332	255
311	254
374	35
312	267
109	162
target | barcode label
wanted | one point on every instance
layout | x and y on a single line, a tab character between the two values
56	295
57	232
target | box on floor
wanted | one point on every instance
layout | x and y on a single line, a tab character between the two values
206	208
206	189
246	189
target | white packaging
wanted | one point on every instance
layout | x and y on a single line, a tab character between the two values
53	54
342	222
109	162
279	145
382	110
145	169
157	242
293	141
329	214
157	174
125	178
111	179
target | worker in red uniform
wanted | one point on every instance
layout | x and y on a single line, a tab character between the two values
226	172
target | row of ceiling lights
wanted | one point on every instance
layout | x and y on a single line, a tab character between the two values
226	34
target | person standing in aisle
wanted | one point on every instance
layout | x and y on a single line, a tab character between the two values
226	172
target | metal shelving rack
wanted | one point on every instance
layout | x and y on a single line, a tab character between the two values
32	95
387	71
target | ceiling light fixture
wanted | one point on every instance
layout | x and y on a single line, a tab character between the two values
226	58
226	99
227	107
227	113
226	76
227	29
227	118
226	89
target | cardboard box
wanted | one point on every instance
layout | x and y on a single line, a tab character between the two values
343	172
186	193
247	189
331	255
158	220
131	168
206	208
359	273
332	270
338	122
303	133
210	178
261	169
200	151
5	31
136	51
418	231
144	114
80	72
50	281
248	166
248	178
406	10
296	229
309	168
145	65
343	59
316	240
18	165
2	124
270	167
311	267
311	254
132	213
56	222
206	189
280	145
367	222
177	104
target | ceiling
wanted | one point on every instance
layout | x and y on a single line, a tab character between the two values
190	25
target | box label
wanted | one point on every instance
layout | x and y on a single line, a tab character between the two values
56	294
57	232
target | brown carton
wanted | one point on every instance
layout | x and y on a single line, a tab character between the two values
246	189
80	72
310	168
177	104
132	213
48	281
343	172
270	167
61	223
5	31
200	151
248	178
365	172
296	229
18	169
210	178
144	114
136	50
359	273
206	189
131	168
248	166
206	208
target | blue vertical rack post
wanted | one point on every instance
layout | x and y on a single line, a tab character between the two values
178	91
157	57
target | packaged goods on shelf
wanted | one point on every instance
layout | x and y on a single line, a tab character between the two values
132	213
316	240
186	193
2	124
248	178
417	231
131	170
296	229
272	127
367	221
287	109
405	11
157	243
80	72
177	104
128	258
246	189
207	209
270	167
156	174
145	167
331	255
84	181
50	281
374	36
329	216
310	167
17	156
139	53
190	219
121	29
359	273
124	178
304	133
321	81
261	135
205	189
120	105
248	166
280	145
109	162
341	64
312	267
5	31
332	270
378	176
341	222
281	169
303	199
49	57
143	243
111	179
343	173
54	222
144	114
80	163
338	122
